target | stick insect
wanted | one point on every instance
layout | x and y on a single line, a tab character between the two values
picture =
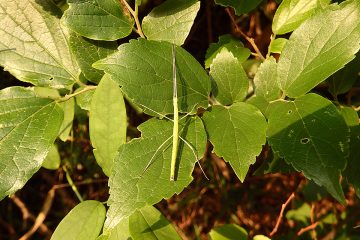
175	135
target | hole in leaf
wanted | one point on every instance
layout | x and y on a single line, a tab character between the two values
289	112
304	140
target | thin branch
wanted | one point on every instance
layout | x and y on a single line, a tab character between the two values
134	13
68	96
73	186
308	228
249	39
291	197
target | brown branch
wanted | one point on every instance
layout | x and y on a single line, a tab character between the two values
308	228
134	13
283	206
250	40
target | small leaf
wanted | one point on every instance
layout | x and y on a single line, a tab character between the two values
301	214
265	80
292	13
240	6
141	173
261	237
98	19
144	70
148	223
83	222
171	21
38	50
83	100
277	45
68	108
228	232
231	44
244	128
29	126
52	160
87	52
107	122
230	81
312	136
319	47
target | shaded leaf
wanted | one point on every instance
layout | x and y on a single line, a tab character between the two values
52	160
83	222
244	128
83	100
29	126
151	82
107	122
240	6
319	47
228	232
98	19
230	81
171	21
312	136
38	47
68	108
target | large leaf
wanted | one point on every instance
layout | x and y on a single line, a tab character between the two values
144	70
148	223
107	122
265	80
228	232
141	173
87	52
237	134
240	6
38	47
313	137
98	19
230	82
171	21
319	47
291	13
29	126
83	222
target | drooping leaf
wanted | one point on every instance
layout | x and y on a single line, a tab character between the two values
144	70
265	80
353	167
313	137
240	6
171	21
244	128
230	83
319	47
107	122
141	173
29	126
38	50
228	232
231	44
83	100
148	223
52	160
83	222
292	13
277	45
87	52
98	19
68	108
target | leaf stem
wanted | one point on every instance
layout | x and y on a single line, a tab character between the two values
71	183
135	15
272	38
68	96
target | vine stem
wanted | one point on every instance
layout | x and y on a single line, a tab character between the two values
73	186
249	39
68	96
283	206
135	14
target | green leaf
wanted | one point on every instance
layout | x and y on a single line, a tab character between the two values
231	44
38	50
261	237
244	128
228	232
98	19
83	222
29	126
353	167
292	13
277	45
230	81
107	122
52	160
141	173
312	136
240	6
144	70
68	108
87	52
149	224
319	47
171	21
265	80
301	214
83	100
121	231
